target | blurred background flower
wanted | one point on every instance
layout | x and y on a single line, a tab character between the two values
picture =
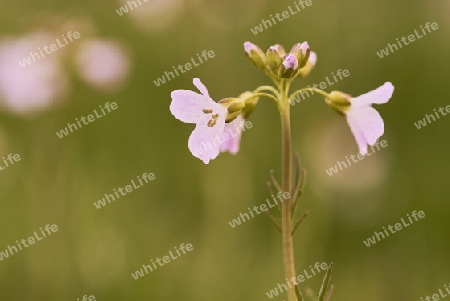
37	86
153	15
103	64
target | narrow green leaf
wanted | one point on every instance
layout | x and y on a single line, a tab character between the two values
326	282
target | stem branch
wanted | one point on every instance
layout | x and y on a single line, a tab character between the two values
318	91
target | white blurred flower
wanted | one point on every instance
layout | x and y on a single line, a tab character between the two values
153	15
103	64
36	86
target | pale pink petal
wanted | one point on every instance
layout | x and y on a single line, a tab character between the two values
378	96
312	58
204	142
188	106
366	125
231	137
304	47
359	136
201	87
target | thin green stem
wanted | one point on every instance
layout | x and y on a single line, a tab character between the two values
286	217
318	91
264	95
273	78
299	222
273	195
272	218
267	88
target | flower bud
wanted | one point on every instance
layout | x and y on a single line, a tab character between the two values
280	50
233	104
301	51
250	103
255	54
289	67
273	59
232	116
303	72
339	101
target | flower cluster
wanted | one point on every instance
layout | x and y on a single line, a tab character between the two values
279	64
212	118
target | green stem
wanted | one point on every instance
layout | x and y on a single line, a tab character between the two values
267	88
270	96
318	91
286	216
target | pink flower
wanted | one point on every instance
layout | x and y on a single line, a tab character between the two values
365	122
231	137
209	117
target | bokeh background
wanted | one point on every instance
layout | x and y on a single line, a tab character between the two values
118	57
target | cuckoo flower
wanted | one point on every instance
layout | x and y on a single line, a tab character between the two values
231	137
365	122
209	117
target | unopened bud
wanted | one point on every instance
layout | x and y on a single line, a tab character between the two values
232	116
227	101
339	101
309	65
273	59
236	107
280	50
233	104
289	67
301	51
255	54
250	103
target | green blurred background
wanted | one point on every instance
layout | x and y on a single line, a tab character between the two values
96	250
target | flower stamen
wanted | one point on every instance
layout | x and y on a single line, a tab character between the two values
212	123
